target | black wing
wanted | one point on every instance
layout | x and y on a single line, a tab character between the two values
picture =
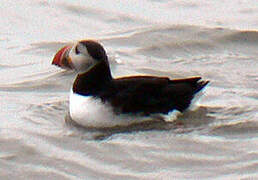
147	94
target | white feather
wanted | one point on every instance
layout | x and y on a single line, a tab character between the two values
92	112
83	61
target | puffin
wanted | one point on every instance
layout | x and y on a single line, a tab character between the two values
99	100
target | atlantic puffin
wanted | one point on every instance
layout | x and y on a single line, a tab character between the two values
99	100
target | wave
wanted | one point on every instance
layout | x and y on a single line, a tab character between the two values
249	37
175	40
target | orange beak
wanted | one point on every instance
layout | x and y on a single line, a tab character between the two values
62	59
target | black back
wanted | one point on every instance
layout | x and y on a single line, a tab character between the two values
147	94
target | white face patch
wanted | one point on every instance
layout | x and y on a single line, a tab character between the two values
82	61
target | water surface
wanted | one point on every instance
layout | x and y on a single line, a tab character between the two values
215	40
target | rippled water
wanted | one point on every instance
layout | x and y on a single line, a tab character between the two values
215	40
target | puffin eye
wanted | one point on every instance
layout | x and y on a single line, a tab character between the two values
76	50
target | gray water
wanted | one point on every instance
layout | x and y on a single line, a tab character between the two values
216	40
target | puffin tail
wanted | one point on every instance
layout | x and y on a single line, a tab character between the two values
200	85
195	84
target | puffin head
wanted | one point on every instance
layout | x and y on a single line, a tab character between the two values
80	56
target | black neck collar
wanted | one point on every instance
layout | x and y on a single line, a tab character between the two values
91	82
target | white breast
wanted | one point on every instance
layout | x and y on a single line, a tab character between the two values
92	112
